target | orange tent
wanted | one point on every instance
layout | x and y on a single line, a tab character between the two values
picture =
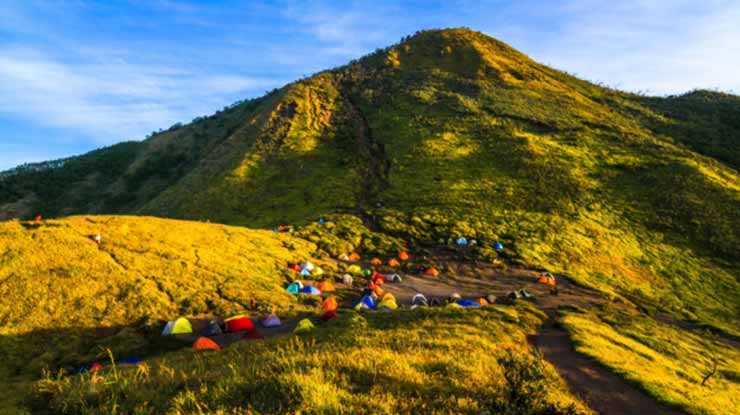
482	301
394	262
403	256
546	279
354	256
205	343
326	286
376	261
379	280
379	291
330	304
432	272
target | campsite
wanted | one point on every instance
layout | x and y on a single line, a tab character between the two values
428	223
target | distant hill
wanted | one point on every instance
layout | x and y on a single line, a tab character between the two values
449	133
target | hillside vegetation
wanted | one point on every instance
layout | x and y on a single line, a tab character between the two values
66	300
69	302
449	133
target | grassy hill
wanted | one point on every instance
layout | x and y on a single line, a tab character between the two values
69	302
452	133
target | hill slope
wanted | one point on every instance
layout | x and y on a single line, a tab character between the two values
68	302
454	133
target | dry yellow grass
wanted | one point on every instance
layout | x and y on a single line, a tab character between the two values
667	362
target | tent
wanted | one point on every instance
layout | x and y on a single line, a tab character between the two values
179	326
461	241
310	289
294	288
393	262
379	280
403	256
213	329
360	306
271	321
491	298
395	278
389	297
95	367
318	271
368	301
376	261
546	278
204	343
482	301
238	323
305	272
347	279
129	361
307	265
455	296
303	326
354	256
432	272
295	267
322	220
498	246
328	315
375	274
354	269
378	291
454	305
326	286
419	299
329	304
253	335
366	272
468	303
389	304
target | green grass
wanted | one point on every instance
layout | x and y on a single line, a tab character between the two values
667	362
67	299
421	361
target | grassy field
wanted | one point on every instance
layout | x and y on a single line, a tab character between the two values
68	300
668	363
414	361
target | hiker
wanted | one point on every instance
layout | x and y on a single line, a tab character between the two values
97	238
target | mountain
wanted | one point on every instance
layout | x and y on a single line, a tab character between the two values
452	133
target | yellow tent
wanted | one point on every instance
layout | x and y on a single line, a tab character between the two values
304	326
354	269
391	304
180	325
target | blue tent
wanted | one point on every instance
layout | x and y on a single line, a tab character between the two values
462	241
468	303
305	272
322	220
497	246
366	300
129	361
293	288
310	289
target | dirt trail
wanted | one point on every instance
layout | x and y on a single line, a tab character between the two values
603	391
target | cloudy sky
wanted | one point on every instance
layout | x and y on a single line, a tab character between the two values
76	74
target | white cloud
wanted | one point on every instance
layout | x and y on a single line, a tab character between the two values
111	102
648	45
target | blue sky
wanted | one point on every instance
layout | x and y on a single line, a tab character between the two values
77	75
